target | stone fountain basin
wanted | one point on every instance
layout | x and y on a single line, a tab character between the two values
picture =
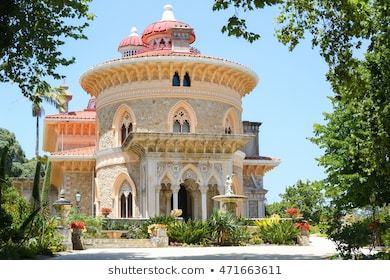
230	198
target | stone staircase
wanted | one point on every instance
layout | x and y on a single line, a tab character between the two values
118	243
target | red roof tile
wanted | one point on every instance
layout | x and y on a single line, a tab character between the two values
81	115
85	151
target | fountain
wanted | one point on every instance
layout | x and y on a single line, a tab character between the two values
62	207
229	200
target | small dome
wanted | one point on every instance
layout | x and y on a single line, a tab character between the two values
132	40
166	23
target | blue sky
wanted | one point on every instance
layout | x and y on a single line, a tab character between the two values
290	97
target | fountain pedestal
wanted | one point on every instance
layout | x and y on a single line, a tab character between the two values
229	200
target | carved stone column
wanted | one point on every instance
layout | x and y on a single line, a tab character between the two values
203	192
175	192
168	197
158	189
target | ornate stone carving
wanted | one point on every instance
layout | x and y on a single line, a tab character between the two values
189	174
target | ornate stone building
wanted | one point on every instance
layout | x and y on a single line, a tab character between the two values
162	130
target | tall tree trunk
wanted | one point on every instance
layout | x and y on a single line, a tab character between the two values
37	139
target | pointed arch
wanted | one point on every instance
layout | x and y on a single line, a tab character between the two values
187	108
123	179
168	175
214	176
231	122
123	123
195	171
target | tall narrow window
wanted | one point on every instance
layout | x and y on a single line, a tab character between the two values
186	127
228	126
126	128
126	202
176	126
186	80
181	122
176	80
123	133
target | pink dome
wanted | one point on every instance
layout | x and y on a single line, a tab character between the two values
161	27
132	40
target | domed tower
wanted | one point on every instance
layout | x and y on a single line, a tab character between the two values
130	45
169	126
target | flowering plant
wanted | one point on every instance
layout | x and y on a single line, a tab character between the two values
373	226
292	211
106	211
77	225
303	226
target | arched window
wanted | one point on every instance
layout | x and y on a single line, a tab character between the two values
181	122
228	126
126	127
126	202
186	80
176	126
176	80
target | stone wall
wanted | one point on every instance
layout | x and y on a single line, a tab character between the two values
152	115
79	182
107	177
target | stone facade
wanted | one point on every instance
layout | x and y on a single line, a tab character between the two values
152	116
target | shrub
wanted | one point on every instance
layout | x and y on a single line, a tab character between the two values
282	232
266	222
93	225
350	237
164	220
386	239
137	232
190	232
226	229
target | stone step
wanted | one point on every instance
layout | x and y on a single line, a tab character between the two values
118	243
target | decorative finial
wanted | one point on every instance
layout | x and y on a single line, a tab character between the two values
168	13
134	31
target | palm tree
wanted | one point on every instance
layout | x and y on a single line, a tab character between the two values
55	97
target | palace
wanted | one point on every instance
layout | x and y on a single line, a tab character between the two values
161	131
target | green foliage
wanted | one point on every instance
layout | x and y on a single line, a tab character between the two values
190	232
25	57
164	220
237	26
350	237
282	232
93	225
276	208
45	190
226	229
386	238
137	231
308	197
14	156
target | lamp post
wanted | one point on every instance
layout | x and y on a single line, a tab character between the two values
78	199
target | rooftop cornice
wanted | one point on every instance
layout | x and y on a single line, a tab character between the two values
159	67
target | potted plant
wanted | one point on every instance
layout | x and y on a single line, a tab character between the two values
77	231
106	212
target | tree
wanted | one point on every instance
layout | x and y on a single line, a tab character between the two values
356	137
14	157
307	196
32	33
55	97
